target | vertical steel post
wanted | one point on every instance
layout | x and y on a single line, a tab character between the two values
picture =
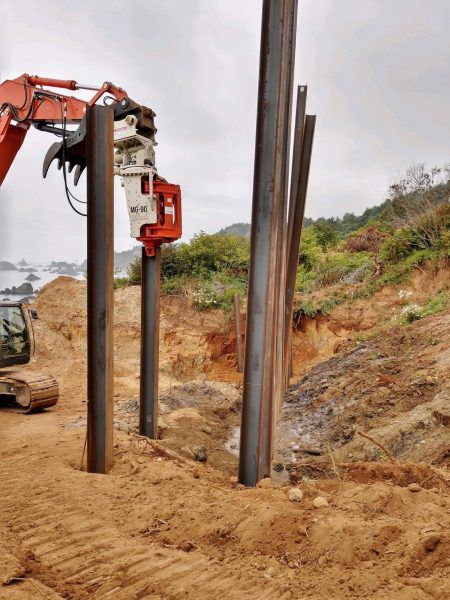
237	322
100	288
300	112
280	272
297	225
295	178
268	187
150	311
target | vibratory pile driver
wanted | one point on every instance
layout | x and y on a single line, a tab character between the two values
154	205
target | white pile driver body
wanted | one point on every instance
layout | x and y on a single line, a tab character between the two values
134	162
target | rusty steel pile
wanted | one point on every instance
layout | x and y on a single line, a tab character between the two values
277	219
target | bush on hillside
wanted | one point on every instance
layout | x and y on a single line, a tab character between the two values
310	249
365	240
207	254
326	232
201	258
134	272
429	230
417	191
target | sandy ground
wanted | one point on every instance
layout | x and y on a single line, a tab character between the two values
162	525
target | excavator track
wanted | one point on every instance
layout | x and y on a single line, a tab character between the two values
31	390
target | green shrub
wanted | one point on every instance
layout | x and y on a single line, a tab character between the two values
310	249
419	257
134	272
335	267
306	281
326	233
436	304
120	282
175	286
398	246
207	254
425	231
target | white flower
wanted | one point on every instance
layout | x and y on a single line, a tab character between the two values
411	309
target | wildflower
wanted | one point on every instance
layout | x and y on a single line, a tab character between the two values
410	313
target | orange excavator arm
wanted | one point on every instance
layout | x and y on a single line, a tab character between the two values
26	101
154	205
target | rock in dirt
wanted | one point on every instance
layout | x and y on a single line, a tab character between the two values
431	542
295	495
414	487
313	450
320	502
200	453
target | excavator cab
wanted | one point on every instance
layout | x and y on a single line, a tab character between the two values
16	337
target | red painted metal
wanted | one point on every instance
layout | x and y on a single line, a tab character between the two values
10	144
25	101
169	226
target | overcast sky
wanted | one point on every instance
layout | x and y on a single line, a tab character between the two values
377	74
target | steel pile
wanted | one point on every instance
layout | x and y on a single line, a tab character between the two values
275	238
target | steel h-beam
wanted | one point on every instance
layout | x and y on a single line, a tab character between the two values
278	27
298	201
280	272
100	287
300	113
237	323
150	310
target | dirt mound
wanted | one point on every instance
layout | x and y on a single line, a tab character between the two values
192	342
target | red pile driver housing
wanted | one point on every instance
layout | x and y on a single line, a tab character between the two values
168	227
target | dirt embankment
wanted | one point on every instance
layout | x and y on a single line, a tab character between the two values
395	386
164	525
193	343
318	338
202	344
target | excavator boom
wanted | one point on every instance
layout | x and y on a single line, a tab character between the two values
26	101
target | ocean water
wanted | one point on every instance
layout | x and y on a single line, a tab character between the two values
8	279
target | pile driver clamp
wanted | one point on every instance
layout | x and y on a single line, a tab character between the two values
154	205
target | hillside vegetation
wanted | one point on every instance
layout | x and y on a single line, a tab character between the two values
343	258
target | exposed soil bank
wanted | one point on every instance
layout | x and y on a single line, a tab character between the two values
164	526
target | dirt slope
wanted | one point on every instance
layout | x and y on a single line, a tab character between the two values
164	526
395	385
